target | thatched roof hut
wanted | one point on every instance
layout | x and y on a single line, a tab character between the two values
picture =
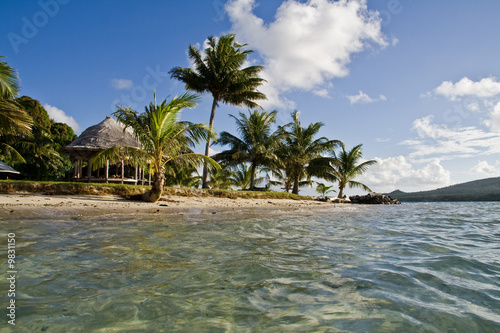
108	133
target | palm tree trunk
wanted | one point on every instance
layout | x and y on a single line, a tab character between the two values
252	176
341	192
295	189
207	147
157	189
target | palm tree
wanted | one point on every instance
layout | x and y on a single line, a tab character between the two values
257	144
301	151
345	168
182	176
218	72
163	138
243	177
14	120
323	189
222	179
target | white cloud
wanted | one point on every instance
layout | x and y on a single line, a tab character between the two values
487	87
60	116
483	167
321	93
399	173
363	98
439	140
308	43
494	121
122	84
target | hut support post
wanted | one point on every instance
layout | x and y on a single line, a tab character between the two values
135	175
80	167
89	170
107	170
123	169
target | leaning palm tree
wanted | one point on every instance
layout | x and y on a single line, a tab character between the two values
163	138
345	168
218	71
257	143
302	152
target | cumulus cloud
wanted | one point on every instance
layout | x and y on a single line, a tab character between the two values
483	167
434	139
60	116
399	173
494	121
487	87
122	84
363	98
308	43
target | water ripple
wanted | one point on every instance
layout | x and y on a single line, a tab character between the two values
410	268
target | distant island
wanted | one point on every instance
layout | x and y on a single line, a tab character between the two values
478	190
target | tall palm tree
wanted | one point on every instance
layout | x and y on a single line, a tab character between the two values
345	168
302	152
257	143
14	120
218	71
163	138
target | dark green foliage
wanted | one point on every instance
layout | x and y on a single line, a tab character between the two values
62	135
40	150
36	111
478	190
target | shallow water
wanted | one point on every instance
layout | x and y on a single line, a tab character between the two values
423	267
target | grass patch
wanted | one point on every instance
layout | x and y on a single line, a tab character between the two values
128	191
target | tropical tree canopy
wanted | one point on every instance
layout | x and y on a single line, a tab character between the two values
13	119
163	138
346	166
302	151
218	71
256	145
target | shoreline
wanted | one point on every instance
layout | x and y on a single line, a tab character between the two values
33	204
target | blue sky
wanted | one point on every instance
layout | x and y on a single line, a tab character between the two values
414	81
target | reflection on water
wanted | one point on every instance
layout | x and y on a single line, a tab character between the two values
409	268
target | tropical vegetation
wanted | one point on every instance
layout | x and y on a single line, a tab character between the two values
290	156
256	145
303	151
218	71
163	138
345	167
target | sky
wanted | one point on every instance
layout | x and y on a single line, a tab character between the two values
416	82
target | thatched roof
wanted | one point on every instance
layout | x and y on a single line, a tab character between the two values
4	168
106	134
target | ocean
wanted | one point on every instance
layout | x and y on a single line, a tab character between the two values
415	267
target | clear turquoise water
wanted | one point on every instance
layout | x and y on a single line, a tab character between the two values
424	267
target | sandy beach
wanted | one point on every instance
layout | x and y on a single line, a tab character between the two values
32	204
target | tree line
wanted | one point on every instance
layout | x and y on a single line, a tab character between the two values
290	155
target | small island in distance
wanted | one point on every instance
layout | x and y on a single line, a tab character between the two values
477	190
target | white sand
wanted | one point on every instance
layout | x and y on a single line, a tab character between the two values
33	204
